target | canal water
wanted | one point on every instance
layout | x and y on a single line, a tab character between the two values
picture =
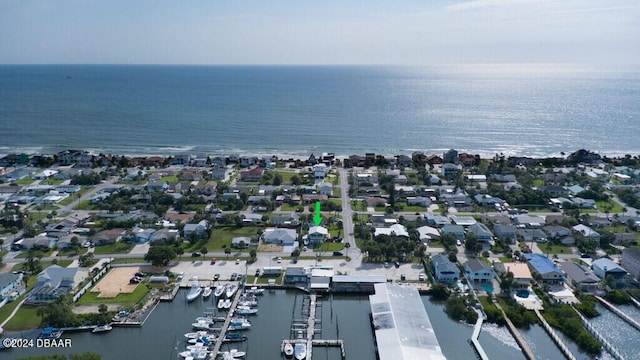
620	334
342	317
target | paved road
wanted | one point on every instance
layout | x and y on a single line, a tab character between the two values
347	212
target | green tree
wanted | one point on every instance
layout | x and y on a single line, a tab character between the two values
227	251
160	255
252	254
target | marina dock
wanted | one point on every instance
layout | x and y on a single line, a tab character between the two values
227	321
170	295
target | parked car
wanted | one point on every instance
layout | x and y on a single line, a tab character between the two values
216	277
421	277
257	272
237	261
140	274
196	254
279	259
213	261
337	253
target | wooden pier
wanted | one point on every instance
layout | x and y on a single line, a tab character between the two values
170	295
561	345
605	343
516	334
225	326
305	329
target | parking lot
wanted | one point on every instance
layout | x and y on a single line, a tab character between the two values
205	270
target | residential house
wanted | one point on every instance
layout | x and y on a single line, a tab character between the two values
549	272
631	261
444	270
528	234
465	221
428	233
312	198
598	221
325	188
9	283
317	235
450	156
320	171
41	241
254	174
587	232
226	197
241	242
530	221
521	273
373	201
292	219
143	235
478	271
604	267
449	169
197	229
459	200
356	160
395	229
437	220
164	236
456	230
482	232
554	190
580	277
218	173
559	233
109	236
418	201
159	186
53	282
503	178
190	176
505	232
278	236
625	239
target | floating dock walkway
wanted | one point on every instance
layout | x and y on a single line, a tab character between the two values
227	321
526	350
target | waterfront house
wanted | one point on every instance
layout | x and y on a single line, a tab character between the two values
449	169
548	271
521	273
478	271
604	267
631	261
320	171
444	270
254	174
295	274
580	277
53	282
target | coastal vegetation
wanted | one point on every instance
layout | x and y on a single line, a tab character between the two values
565	318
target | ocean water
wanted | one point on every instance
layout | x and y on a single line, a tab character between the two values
533	110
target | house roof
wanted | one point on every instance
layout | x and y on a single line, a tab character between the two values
632	252
57	276
397	229
519	270
7	278
578	273
476	265
428	232
607	265
442	263
280	234
585	230
542	264
319	230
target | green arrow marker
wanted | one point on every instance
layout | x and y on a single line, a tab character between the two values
317	219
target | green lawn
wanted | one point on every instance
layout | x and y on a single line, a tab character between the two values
25	181
35	216
25	318
555	249
132	298
287	175
75	196
117	248
53	182
128	261
222	235
8	308
170	179
290	207
329	246
336	201
614	206
86	205
413	208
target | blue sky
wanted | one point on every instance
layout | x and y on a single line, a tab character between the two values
319	32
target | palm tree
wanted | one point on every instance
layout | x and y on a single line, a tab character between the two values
347	245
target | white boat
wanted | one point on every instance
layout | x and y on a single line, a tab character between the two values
255	291
219	290
287	349
233	354
195	354
221	304
230	290
300	350
227	304
239	323
207	292
249	303
205	340
201	325
246	310
195	290
102	328
195	334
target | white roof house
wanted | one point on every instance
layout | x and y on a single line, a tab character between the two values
395	229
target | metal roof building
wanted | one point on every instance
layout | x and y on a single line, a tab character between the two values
402	327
